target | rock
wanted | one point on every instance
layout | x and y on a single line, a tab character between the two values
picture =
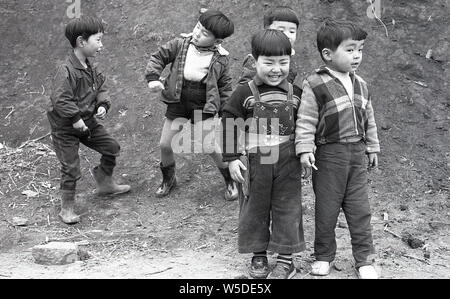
413	242
56	253
19	221
403	207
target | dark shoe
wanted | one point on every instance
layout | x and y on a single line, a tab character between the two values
169	180
106	185
259	267
67	213
282	271
231	191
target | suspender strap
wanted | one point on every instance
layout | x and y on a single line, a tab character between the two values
290	94
254	90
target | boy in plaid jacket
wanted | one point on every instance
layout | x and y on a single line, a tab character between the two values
337	117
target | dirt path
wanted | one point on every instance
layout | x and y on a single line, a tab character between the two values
192	233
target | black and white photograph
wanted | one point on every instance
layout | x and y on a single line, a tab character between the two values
207	141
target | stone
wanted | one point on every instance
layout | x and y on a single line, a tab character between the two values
56	253
19	221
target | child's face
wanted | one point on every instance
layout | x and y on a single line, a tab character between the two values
202	37
288	28
92	45
272	70
347	57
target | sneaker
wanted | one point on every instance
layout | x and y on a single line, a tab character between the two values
259	267
367	272
282	271
321	268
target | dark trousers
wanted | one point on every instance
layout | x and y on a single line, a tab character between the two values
271	217
66	142
341	181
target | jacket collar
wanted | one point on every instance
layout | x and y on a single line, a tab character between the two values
73	59
219	49
324	70
284	85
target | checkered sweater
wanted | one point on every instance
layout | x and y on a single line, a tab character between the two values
328	115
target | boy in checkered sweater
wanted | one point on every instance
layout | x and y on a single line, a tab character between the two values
337	117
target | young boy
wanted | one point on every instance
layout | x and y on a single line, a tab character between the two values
336	115
270	218
198	85
281	18
79	97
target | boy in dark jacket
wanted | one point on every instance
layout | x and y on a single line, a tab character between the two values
196	88
79	97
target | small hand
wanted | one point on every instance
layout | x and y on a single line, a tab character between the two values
80	125
156	86
307	160
235	170
101	112
373	160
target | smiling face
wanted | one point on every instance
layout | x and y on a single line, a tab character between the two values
272	70
91	46
346	58
202	37
288	28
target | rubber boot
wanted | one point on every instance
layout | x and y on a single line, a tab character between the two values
67	213
106	184
169	180
231	191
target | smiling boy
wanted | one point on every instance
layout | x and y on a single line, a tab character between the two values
336	115
284	19
270	218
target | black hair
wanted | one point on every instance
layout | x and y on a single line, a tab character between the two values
270	42
216	22
282	14
333	32
84	26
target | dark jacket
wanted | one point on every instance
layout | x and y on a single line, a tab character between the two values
218	80
77	93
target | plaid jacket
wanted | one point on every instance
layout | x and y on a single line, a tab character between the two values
328	115
218	80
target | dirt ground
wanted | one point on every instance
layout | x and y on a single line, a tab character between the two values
193	233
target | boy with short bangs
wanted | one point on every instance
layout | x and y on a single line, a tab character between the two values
196	88
281	18
336	115
270	216
79	97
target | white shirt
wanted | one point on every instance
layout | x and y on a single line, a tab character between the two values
197	64
345	80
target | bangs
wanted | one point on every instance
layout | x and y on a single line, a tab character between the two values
332	33
84	27
282	14
270	43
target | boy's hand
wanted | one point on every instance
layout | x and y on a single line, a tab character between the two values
373	160
156	86
101	112
307	160
235	170
80	125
